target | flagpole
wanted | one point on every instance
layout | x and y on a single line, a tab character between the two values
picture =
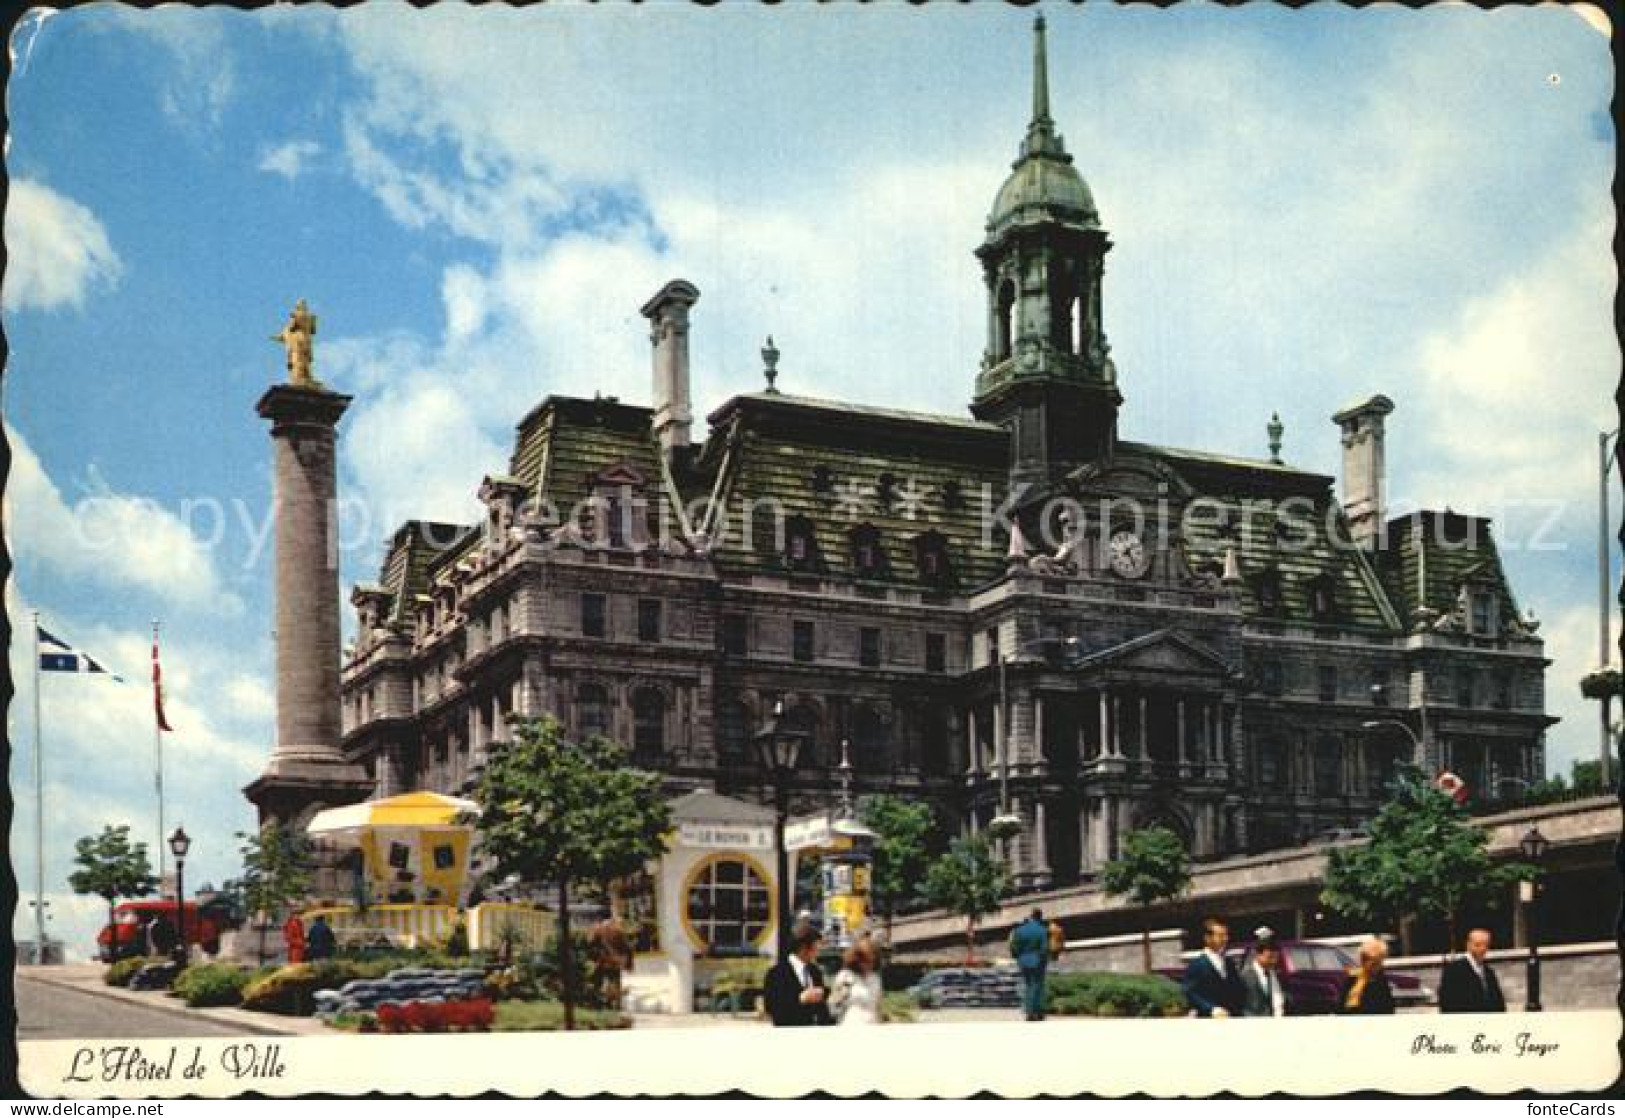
158	754
39	814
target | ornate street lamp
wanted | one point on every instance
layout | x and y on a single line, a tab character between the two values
777	750
1533	846
179	844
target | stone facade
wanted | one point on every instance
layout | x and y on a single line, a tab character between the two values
1017	612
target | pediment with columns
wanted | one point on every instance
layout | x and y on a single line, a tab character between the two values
1164	652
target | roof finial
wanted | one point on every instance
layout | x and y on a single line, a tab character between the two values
770	361
1040	74
1275	431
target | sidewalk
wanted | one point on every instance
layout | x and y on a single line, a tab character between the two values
86	978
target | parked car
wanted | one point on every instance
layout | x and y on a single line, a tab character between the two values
1312	974
127	934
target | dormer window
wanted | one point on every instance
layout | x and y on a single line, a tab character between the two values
800	545
1482	615
616	497
1267	592
823	480
868	556
886	490
931	559
953	495
1322	594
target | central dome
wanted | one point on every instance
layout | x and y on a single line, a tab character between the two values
1044	187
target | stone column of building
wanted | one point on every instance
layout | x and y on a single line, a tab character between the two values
307	769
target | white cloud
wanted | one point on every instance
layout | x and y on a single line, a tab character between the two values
290	159
111	539
57	249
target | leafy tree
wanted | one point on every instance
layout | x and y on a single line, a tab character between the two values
1151	867
276	872
1425	858
969	881
565	813
110	867
901	855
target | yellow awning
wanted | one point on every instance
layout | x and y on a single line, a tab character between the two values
414	809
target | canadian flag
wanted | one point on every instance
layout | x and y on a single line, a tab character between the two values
158	688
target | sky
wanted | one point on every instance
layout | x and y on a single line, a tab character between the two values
1307	207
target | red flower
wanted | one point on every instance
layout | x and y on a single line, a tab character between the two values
391	1018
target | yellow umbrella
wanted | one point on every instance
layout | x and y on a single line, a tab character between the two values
414	809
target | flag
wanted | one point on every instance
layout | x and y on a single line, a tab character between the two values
57	655
158	686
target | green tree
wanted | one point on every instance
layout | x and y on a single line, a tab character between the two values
1152	867
902	850
110	867
968	881
276	872
1424	858
564	813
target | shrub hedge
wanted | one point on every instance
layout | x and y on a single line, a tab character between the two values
1113	995
214	984
120	973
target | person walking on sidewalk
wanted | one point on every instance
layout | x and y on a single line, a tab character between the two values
1029	946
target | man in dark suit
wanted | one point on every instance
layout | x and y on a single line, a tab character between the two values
1261	979
1467	984
794	988
1212	986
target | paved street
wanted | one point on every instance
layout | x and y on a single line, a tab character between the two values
69	1003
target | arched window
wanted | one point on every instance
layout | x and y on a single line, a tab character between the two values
1006	313
803	719
726	906
931	559
592	711
868	556
648	720
1076	325
1328	767
733	732
800	545
871	742
1272	767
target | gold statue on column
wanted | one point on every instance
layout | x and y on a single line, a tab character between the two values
298	337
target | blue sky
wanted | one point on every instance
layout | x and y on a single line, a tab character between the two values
1308	207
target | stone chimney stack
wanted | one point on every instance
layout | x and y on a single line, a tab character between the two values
667	313
1365	469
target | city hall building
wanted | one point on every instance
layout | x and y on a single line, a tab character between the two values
1013	611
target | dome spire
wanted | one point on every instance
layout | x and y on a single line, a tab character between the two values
1040	74
1041	138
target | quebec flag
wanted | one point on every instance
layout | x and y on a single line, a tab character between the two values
56	655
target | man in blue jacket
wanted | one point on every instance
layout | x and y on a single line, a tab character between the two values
1029	946
1212	984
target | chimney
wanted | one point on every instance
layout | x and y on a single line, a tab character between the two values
1364	469
667	313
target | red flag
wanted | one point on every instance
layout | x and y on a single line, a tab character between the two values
158	687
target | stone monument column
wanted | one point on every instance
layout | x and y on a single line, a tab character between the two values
307	770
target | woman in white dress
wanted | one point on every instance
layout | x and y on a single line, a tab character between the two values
855	996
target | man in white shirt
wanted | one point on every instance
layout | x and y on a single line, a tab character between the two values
1266	996
1468	985
1212	987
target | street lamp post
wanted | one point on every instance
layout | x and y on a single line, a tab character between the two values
778	749
1418	754
1007	822
1605	457
179	844
1534	846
